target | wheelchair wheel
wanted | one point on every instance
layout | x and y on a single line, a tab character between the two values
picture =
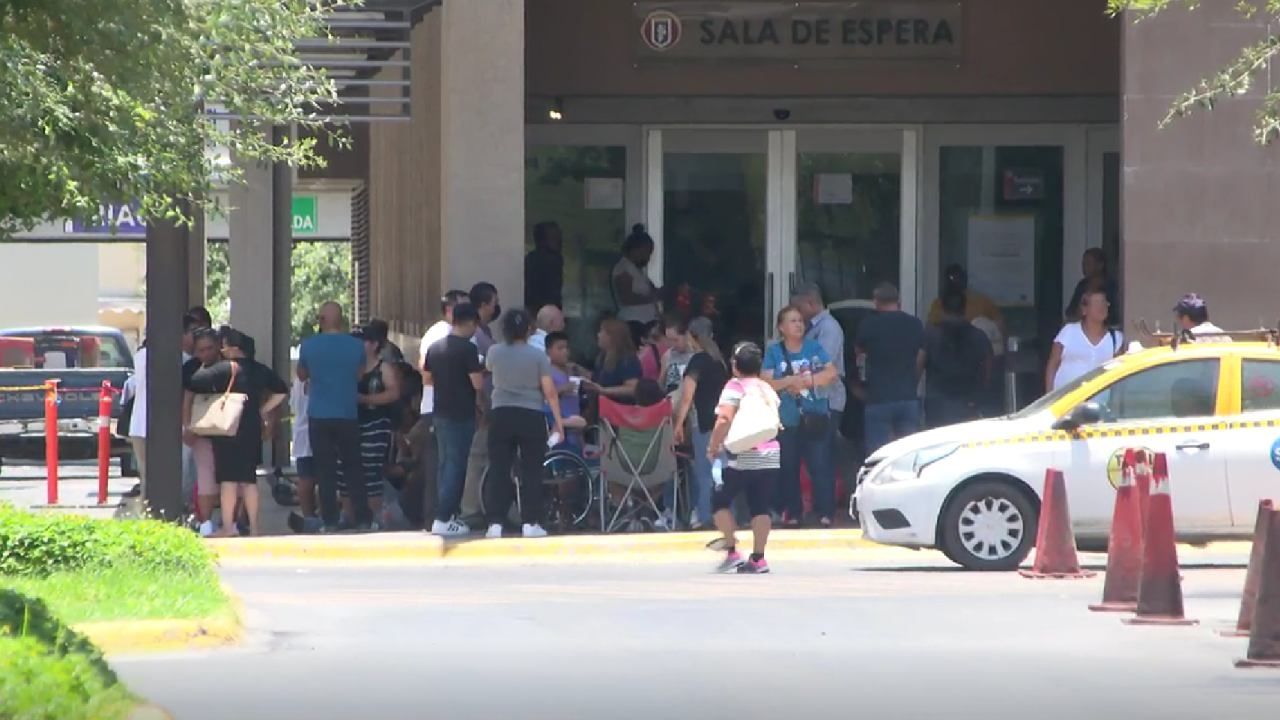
567	492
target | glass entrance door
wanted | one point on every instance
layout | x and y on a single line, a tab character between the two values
715	228
743	217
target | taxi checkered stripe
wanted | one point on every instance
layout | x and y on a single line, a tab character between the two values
1147	430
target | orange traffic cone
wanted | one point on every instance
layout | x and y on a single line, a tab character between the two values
1055	541
1260	527
1124	548
1160	590
1142	479
1264	636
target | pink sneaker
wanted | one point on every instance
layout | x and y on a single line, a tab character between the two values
732	561
754	567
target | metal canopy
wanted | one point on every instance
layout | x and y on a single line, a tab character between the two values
368	56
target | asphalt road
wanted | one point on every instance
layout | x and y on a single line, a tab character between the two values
817	638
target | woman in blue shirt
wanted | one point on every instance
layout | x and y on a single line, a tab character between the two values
796	367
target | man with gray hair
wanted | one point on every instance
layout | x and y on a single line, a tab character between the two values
891	345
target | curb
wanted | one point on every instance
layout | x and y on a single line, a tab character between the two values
419	547
422	548
134	637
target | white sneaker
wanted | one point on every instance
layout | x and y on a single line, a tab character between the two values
206	528
451	528
495	531
534	531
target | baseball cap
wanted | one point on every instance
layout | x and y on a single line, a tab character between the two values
1190	301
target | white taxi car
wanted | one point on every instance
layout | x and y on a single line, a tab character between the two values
973	490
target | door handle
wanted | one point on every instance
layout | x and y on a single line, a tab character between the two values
768	304
791	282
1192	446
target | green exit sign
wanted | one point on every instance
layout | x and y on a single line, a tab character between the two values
306	214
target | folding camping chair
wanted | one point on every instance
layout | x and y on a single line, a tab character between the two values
637	453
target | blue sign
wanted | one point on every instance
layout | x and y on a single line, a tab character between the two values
1275	453
124	216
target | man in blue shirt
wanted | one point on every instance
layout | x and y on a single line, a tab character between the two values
331	363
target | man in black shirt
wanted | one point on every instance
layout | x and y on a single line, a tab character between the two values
544	268
890	346
452	366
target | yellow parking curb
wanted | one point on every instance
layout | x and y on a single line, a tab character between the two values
421	547
150	636
121	637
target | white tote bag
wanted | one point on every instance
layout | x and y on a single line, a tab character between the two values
756	420
218	414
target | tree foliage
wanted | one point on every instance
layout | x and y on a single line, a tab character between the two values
321	272
1237	77
106	100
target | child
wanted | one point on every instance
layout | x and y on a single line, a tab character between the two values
561	373
307	521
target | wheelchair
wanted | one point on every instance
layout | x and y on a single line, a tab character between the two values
569	492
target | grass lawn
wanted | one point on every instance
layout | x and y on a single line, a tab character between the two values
125	593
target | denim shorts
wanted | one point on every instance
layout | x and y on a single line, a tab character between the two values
306	467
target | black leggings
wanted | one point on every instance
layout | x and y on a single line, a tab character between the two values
758	485
512	430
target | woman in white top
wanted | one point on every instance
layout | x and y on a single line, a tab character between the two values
1084	345
633	291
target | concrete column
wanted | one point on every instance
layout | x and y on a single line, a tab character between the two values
481	106
282	279
252	258
168	246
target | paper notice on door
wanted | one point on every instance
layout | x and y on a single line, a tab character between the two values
603	193
1002	258
833	189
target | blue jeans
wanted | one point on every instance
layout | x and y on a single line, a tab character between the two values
889	421
699	479
816	453
453	446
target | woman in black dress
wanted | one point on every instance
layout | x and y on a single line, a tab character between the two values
379	407
236	458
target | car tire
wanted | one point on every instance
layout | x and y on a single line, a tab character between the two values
989	526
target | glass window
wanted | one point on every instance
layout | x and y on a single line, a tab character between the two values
1001	218
1174	390
582	190
848	214
714	230
1260	385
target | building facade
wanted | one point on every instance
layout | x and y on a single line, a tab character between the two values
764	144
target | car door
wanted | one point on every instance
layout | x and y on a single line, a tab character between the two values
1169	408
1253	449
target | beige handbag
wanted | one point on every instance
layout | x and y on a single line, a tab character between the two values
756	420
218	414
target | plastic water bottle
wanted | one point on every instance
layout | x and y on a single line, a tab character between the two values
717	472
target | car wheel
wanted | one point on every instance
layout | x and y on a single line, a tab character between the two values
988	525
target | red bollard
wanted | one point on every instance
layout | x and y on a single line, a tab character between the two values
104	440
51	438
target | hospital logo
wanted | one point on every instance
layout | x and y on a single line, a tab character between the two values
660	30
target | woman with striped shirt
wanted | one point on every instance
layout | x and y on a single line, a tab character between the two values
379	399
753	472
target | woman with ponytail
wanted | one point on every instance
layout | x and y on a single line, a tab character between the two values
704	378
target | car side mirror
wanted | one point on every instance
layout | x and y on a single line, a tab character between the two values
1086	413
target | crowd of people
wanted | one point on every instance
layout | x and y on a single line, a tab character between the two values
380	442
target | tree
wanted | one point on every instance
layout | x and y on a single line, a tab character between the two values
105	101
321	271
1238	75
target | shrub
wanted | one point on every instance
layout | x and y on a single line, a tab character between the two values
49	671
41	544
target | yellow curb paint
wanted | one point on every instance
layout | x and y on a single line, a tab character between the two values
149	712
163	635
150	636
416	547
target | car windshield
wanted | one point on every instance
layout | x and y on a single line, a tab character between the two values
1052	397
62	349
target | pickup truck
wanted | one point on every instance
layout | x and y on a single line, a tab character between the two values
79	358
